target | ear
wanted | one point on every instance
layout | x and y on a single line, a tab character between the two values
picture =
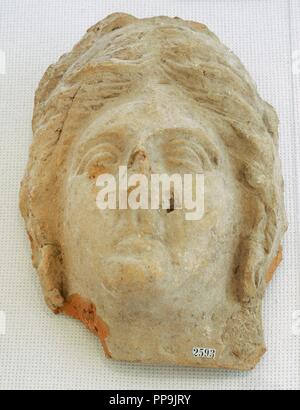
260	254
51	274
251	263
254	276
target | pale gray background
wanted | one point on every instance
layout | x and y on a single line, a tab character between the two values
41	351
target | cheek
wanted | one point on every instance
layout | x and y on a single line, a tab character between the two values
197	238
90	234
85	225
220	202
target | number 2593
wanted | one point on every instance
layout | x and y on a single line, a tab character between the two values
204	353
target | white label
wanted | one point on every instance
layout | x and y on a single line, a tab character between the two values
204	353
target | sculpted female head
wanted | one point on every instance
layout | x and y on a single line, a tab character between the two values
158	96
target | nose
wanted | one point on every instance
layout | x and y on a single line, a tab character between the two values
141	220
139	161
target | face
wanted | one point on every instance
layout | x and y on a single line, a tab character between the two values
158	96
124	249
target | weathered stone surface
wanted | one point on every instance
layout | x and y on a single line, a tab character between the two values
158	95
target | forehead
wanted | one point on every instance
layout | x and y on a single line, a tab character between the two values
144	115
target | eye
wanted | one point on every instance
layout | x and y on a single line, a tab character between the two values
99	159
185	157
101	164
188	155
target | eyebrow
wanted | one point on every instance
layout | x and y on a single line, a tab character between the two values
105	137
86	149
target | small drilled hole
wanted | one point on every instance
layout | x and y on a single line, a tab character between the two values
172	205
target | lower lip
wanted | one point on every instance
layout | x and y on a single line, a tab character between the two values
137	245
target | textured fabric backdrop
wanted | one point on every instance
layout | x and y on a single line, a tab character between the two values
41	351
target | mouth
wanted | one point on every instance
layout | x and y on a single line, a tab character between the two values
138	243
144	254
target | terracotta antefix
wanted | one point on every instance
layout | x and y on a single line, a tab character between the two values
158	96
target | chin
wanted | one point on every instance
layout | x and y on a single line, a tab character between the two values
134	271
